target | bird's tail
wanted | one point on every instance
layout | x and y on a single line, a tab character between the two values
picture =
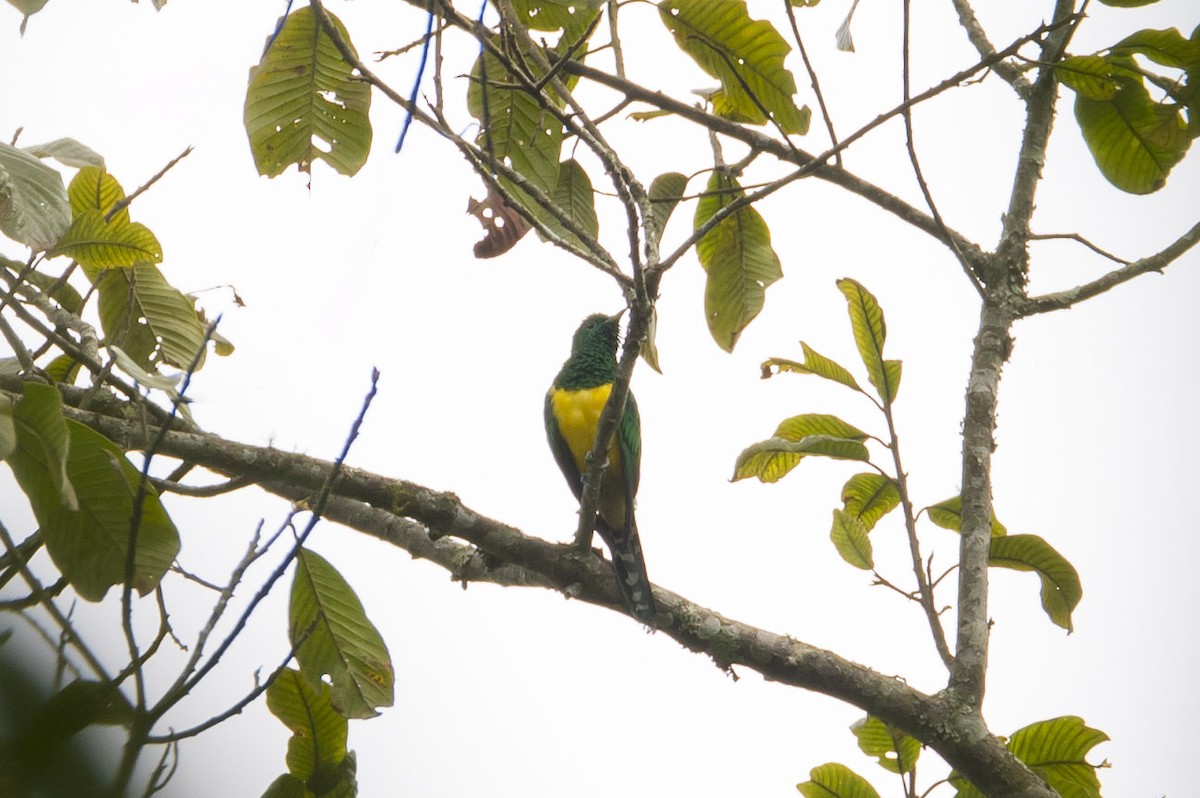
626	550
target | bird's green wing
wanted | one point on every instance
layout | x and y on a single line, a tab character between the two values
561	451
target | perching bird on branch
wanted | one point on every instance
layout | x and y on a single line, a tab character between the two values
573	406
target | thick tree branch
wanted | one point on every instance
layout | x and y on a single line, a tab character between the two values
419	519
993	344
978	37
1013	260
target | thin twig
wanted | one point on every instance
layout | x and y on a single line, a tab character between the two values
812	76
124	203
1079	239
1060	300
905	56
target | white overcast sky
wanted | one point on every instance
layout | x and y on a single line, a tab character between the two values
506	692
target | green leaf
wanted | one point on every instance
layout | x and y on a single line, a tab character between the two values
80	704
28	8
516	129
948	515
833	780
849	536
304	101
88	544
1061	589
101	244
665	192
814	363
342	642
1128	3
142	314
571	16
286	786
1134	140
574	195
318	743
94	189
64	369
738	258
770	461
895	750
63	292
8	428
805	424
870	333
42	446
34	210
1089	75
68	152
1167	47
746	55
1056	750
649	349
72	709
869	497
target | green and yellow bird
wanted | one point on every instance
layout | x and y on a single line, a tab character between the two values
573	406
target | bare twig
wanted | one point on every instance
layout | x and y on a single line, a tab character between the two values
812	77
124	203
967	266
1078	239
1061	300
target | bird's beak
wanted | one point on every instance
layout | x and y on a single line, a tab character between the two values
617	316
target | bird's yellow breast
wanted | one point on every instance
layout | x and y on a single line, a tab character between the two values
578	415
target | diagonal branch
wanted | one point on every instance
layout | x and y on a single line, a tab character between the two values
1061	300
978	37
961	738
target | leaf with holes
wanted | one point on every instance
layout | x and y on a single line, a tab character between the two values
305	102
571	16
318	742
327	624
517	129
143	314
896	751
745	54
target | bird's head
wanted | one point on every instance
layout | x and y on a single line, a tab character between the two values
598	332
